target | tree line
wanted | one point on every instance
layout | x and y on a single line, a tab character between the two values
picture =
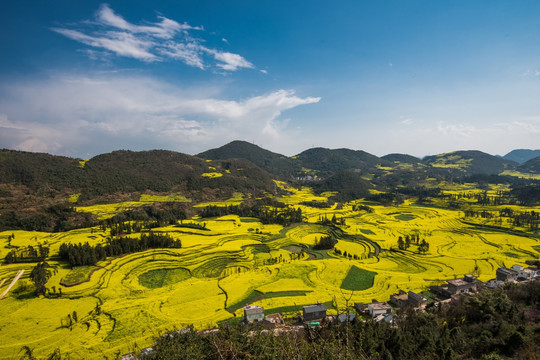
86	254
268	215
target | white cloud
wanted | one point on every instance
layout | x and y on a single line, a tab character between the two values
229	61
79	115
162	40
123	44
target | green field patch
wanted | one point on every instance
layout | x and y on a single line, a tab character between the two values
536	247
358	279
262	248
249	220
512	255
77	275
157	278
367	232
405	217
252	297
285	294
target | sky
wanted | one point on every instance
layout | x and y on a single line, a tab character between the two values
82	78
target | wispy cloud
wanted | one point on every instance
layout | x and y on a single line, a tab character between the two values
75	115
165	39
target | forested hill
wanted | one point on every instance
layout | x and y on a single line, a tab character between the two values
129	171
531	166
470	162
279	165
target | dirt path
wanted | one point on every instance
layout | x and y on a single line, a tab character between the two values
12	284
2	283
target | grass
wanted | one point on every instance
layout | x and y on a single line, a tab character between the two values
358	279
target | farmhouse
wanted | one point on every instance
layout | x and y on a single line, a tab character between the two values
403	299
416	300
314	312
274	320
379	308
524	273
253	313
400	299
345	317
505	274
462	286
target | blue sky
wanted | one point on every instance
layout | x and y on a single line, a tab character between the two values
80	78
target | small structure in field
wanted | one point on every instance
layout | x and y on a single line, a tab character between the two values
253	313
314	312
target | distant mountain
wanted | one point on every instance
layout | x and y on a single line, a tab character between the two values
470	162
532	166
522	155
276	164
327	162
401	158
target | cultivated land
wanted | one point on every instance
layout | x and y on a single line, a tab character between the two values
123	302
473	220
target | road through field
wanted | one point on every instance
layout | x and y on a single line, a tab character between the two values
12	284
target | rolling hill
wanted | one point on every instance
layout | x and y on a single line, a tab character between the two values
531	166
279	165
470	162
327	162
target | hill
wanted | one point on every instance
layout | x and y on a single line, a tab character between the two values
401	158
349	185
279	165
470	162
532	166
522	155
326	162
35	188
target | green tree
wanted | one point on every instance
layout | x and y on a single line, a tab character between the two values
39	275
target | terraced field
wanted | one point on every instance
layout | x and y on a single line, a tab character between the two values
123	302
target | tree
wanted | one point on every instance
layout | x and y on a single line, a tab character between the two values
401	243
39	275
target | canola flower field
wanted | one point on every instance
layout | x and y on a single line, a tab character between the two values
123	303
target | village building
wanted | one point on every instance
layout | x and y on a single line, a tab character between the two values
493	283
274	320
417	300
411	298
462	286
253	313
505	274
314	312
400	299
360	308
379	308
345	317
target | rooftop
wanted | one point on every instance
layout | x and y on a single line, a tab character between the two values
314	308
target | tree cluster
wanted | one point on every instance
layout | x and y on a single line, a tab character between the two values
325	243
86	254
27	254
268	215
